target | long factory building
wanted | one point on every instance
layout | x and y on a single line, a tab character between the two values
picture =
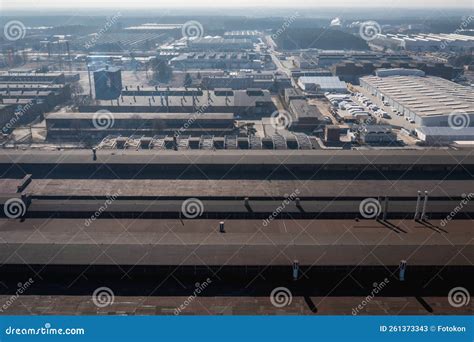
253	210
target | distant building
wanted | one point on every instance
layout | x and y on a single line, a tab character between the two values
107	83
378	134
305	116
332	134
293	94
351	71
444	135
219	44
245	103
236	81
322	84
428	101
77	125
223	60
245	34
48	77
426	42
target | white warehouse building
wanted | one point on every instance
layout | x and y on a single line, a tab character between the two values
429	101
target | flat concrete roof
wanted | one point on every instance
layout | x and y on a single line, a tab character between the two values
246	242
240	188
236	157
426	96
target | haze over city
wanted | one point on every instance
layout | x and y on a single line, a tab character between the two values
246	159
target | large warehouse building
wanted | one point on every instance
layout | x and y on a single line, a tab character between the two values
430	101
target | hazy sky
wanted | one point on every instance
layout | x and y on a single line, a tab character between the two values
141	4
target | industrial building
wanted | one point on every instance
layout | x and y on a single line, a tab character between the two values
247	80
351	71
107	83
219	44
426	42
322	84
327	58
305	117
377	135
245	103
444	135
21	77
427	100
77	126
222	60
253	35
